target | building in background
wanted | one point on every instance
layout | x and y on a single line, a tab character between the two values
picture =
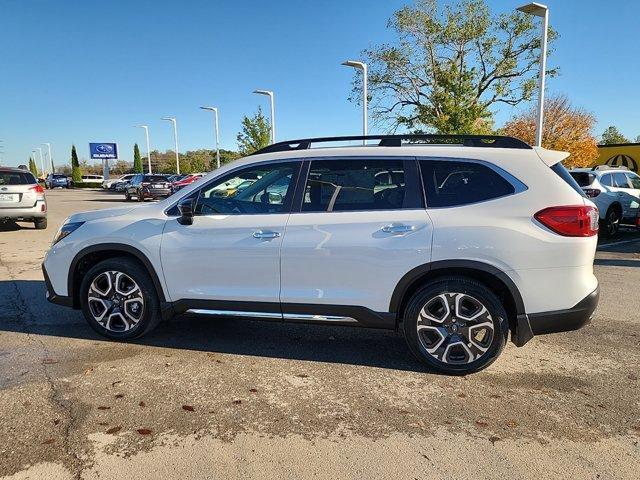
620	154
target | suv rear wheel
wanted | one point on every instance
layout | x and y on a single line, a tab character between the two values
455	325
119	299
40	223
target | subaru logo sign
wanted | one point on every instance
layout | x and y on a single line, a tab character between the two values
103	151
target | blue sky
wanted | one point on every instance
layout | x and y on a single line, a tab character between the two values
80	71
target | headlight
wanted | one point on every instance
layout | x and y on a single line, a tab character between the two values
66	230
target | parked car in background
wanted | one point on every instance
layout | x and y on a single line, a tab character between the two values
121	185
462	246
187	180
57	180
616	193
143	186
92	178
113	183
22	198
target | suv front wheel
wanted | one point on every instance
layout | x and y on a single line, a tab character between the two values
455	325
119	299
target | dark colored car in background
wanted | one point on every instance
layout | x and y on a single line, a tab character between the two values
143	186
57	180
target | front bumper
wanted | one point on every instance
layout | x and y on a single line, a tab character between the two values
51	295
543	323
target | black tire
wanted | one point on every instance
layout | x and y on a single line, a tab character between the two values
150	316
610	226
465	290
40	223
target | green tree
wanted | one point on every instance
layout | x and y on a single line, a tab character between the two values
450	65
612	136
255	133
137	161
76	171
32	167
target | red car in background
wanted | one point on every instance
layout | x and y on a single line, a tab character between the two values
188	180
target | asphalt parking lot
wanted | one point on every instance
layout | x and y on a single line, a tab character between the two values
202	398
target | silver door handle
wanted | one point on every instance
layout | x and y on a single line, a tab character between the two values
398	228
265	234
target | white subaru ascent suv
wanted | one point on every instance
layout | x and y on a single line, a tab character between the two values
458	241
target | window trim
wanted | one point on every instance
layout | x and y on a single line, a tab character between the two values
411	173
518	185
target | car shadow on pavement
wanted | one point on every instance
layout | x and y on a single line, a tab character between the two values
11	227
316	343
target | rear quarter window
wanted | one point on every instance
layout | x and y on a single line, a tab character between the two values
450	183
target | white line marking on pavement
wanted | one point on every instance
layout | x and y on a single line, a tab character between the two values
621	242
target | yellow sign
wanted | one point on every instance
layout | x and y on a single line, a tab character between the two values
621	154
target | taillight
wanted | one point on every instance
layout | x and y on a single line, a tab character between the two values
570	221
37	189
638	221
591	192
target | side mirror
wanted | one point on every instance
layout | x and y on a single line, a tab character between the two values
185	207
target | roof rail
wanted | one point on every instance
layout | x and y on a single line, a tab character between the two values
494	141
610	167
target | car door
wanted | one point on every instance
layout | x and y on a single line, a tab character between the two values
634	191
622	187
229	257
358	226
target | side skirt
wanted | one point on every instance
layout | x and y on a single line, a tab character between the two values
347	315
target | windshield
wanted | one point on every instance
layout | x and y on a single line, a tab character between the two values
154	178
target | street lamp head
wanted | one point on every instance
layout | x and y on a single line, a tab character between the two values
211	109
533	8
141	126
355	64
170	119
264	92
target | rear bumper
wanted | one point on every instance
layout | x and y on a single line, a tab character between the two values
556	321
51	295
27	213
156	193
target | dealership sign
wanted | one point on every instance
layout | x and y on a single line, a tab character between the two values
103	151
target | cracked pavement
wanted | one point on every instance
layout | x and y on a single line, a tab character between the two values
203	398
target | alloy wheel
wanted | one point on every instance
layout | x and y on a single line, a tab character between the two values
613	223
115	301
455	328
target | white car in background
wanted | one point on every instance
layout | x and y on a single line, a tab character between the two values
616	193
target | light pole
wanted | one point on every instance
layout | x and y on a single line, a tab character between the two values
361	66
53	168
146	131
269	93
175	138
539	10
41	160
217	132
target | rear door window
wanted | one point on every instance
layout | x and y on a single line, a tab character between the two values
450	183
360	185
620	180
16	178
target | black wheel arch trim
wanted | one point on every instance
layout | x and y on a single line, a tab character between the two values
119	247
412	275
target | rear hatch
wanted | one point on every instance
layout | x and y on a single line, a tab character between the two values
17	189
